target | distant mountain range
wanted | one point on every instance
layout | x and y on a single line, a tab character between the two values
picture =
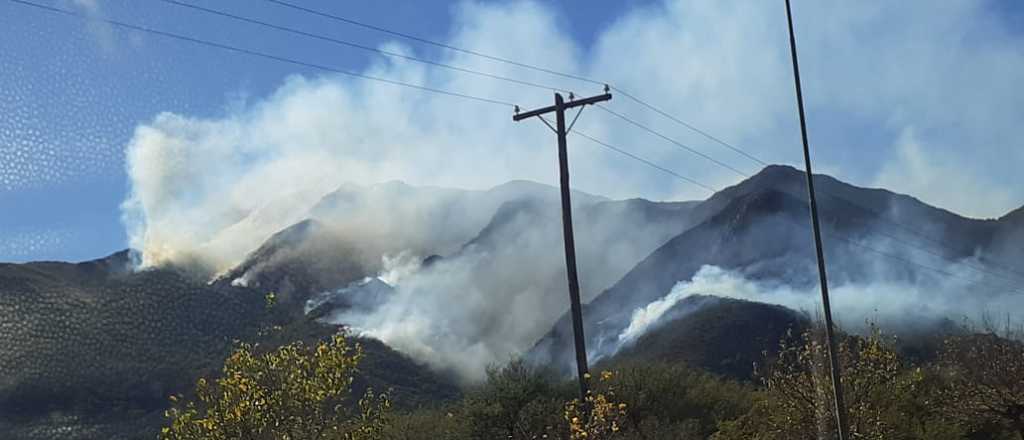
95	347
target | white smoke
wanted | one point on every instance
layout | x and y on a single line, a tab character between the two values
709	279
399	267
443	317
854	305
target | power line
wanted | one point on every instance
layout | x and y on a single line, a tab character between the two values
258	54
470	71
673	141
642	160
939	271
353	45
690	126
432	42
533	67
1009	270
880	217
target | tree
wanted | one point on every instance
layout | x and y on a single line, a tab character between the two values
293	392
984	376
515	402
673	400
797	401
599	416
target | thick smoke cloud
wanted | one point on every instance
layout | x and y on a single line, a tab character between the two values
213	188
504	289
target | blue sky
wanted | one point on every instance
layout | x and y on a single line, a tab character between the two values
918	99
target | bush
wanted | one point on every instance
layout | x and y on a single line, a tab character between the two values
293	392
984	382
515	402
885	398
669	400
599	416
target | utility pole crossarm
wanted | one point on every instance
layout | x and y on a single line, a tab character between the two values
579	102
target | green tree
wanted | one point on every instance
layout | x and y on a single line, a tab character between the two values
293	392
674	400
515	402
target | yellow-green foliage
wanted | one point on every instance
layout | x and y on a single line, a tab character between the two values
879	391
599	417
294	392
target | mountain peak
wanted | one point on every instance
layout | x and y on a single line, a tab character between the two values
778	172
778	177
523	188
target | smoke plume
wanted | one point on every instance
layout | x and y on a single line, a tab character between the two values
893	305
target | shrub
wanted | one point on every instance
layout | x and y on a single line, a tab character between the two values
599	416
675	398
984	382
293	392
515	402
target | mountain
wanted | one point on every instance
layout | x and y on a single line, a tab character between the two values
760	229
350	230
93	350
80	334
1006	242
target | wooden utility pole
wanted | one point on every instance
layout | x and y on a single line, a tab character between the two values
837	384
570	246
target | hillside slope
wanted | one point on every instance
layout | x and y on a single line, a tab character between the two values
93	350
721	335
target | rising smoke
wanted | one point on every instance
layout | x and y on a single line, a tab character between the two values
503	290
892	305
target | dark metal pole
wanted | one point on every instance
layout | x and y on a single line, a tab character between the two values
570	250
837	385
